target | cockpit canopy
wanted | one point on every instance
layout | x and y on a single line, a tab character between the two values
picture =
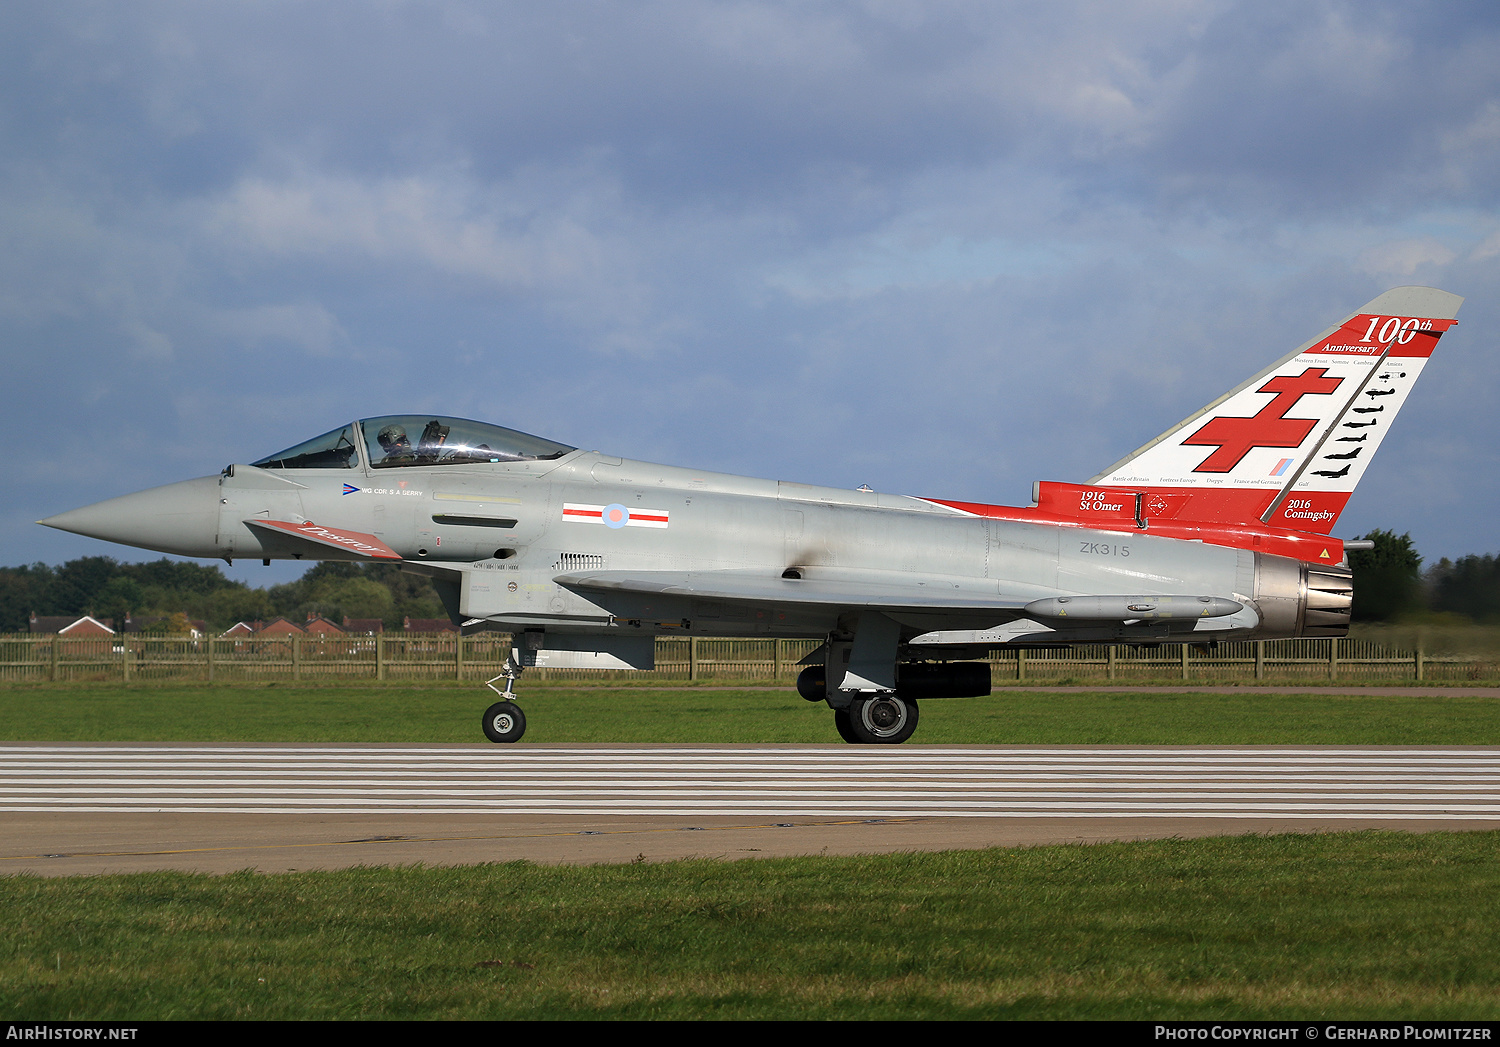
415	439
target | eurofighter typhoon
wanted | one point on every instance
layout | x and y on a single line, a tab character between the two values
1219	529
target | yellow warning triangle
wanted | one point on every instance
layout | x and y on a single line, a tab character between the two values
1325	554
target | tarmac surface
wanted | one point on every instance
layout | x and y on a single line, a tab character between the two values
90	808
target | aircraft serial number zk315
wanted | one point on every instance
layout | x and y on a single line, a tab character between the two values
1216	530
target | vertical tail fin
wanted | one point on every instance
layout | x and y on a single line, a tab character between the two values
1288	446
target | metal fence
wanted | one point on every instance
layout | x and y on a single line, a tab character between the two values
28	658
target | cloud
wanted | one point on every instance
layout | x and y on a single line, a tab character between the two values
1488	248
1402	258
501	239
150	344
308	325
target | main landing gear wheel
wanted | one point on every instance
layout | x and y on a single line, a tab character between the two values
504	722
882	720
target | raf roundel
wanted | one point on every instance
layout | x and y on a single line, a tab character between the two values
615	516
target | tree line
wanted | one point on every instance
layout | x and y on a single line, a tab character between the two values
1389	585
105	588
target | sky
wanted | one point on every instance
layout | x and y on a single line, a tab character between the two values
939	248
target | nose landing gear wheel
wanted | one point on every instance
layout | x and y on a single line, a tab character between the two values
844	727
882	720
504	722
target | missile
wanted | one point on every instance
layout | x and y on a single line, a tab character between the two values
1132	608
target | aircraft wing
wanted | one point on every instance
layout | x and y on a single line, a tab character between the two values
354	544
883	590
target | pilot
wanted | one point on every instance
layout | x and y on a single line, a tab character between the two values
394	442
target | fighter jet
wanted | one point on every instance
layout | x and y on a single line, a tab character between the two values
1219	529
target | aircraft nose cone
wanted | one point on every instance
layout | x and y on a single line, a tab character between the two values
181	518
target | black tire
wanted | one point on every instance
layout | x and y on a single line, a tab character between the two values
504	722
883	720
844	727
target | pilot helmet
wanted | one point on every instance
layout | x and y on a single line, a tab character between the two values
391	436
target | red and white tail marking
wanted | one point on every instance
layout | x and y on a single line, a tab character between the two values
1288	446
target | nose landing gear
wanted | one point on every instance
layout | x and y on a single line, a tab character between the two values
504	721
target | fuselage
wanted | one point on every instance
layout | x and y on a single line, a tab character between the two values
501	539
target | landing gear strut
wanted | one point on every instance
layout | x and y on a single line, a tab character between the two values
504	721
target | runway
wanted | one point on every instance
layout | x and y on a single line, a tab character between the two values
81	808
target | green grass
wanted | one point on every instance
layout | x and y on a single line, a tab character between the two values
445	712
1360	925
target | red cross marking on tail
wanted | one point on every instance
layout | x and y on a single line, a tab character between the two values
1268	427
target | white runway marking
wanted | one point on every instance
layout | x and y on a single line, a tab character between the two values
1421	784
